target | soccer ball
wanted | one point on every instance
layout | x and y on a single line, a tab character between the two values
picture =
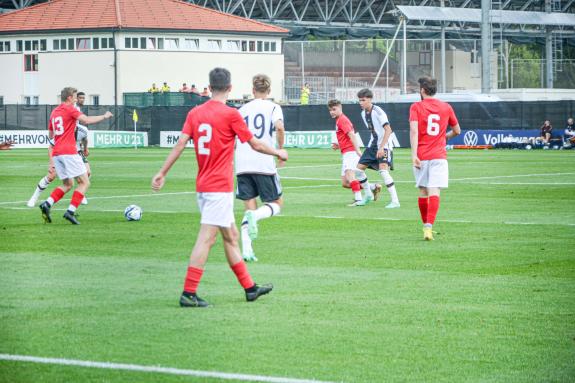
133	213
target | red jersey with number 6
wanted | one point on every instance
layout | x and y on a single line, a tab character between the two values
432	117
63	124
213	126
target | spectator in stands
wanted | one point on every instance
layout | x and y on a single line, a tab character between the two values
185	88
165	88
546	131
569	134
205	93
195	90
154	89
305	93
6	145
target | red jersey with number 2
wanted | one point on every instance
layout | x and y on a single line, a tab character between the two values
213	126
432	117
344	126
63	124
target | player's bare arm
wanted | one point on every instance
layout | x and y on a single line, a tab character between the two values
280	137
262	147
353	139
386	135
413	139
159	178
89	120
454	132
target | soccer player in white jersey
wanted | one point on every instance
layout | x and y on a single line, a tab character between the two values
256	172
377	155
81	145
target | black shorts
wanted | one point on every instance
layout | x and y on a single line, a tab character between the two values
267	187
81	154
369	158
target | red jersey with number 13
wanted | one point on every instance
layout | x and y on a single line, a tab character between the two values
432	117
63	124
213	126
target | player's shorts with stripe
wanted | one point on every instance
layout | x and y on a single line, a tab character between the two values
216	209
432	174
267	187
69	166
369	158
349	161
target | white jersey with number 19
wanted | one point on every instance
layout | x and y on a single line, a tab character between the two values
260	116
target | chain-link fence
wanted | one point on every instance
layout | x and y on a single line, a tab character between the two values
533	73
338	68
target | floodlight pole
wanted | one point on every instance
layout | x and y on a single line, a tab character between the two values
404	60
549	50
443	82
485	46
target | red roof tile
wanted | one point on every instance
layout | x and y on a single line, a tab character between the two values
127	14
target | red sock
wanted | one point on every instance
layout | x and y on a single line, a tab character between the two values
355	186
57	194
432	209
423	204
77	198
192	279
243	275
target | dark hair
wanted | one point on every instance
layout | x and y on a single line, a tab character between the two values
365	93
81	94
332	103
220	79
428	84
67	92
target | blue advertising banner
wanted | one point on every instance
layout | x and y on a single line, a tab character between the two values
492	137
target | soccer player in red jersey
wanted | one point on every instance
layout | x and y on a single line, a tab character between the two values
214	126
428	121
67	162
347	143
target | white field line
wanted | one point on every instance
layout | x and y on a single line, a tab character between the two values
154	369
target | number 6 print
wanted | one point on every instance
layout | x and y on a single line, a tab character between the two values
433	125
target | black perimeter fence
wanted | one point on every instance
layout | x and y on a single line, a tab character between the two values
154	119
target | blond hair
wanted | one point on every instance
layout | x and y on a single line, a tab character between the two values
261	83
67	92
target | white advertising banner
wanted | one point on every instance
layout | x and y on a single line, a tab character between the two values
168	139
26	139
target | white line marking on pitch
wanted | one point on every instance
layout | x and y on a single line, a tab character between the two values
155	369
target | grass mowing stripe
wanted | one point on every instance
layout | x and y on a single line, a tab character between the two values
155	369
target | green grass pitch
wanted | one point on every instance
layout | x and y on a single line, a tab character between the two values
358	297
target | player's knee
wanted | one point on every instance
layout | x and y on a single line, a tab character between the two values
51	175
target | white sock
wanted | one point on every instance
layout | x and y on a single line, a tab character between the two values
246	241
358	196
267	210
388	180
43	184
362	178
50	201
372	187
72	208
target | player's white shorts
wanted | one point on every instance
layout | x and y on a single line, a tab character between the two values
349	162
432	174
69	166
217	209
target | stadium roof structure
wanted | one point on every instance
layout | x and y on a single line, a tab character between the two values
64	15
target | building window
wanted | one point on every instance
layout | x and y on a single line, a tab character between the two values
273	46
27	45
171	44
244	46
43	45
111	44
128	43
214	45
59	45
30	63
143	42
266	46
4	46
31	100
151	43
95	99
160	43
105	44
18	45
71	44
1	100
252	46
260	46
191	44
56	45
424	58
96	43
34	45
83	44
234	45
